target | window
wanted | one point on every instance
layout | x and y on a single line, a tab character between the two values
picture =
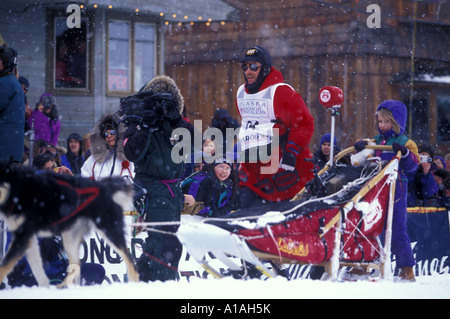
443	115
131	55
70	52
144	55
418	119
119	56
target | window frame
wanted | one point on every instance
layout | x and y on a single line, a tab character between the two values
132	51
51	53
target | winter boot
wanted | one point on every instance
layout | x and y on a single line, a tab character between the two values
406	274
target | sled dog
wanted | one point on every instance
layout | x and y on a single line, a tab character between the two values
44	204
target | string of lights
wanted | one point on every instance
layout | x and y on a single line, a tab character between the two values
173	15
185	18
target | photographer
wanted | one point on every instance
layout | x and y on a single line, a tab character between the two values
151	115
422	188
46	119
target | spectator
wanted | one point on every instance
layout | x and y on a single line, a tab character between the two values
12	108
108	158
445	201
270	110
45	117
322	155
439	162
86	145
440	176
218	190
25	85
55	263
45	161
46	148
196	163
209	148
73	158
422	188
200	158
447	162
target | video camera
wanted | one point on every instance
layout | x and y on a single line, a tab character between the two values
148	108
425	159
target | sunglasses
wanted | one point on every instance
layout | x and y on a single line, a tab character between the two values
51	153
254	67
224	168
106	134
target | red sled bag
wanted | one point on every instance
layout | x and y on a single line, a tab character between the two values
364	223
298	239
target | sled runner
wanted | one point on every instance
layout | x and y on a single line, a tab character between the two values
335	221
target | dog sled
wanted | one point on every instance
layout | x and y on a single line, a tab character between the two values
337	220
342	217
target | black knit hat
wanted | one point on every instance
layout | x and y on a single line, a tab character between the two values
75	136
223	160
426	148
108	124
261	55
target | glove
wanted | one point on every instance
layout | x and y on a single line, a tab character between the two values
398	147
175	120
360	145
288	161
148	116
130	131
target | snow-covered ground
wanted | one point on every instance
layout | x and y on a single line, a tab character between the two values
436	287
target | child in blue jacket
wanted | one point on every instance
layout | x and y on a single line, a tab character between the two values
217	190
391	119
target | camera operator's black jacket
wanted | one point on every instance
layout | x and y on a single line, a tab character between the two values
147	144
150	149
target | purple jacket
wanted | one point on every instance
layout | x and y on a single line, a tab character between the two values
44	127
401	244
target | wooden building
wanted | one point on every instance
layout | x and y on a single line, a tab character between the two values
200	43
320	43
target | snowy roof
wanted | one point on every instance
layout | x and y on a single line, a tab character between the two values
174	10
428	77
438	76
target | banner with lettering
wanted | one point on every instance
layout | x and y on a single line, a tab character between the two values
428	229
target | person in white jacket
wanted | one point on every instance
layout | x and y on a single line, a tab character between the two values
107	157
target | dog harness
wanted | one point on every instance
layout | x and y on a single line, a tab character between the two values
92	193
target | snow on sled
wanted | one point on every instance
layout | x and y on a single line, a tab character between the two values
336	220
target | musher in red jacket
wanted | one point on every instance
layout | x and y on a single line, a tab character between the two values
275	122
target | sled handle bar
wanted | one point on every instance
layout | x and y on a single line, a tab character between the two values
351	149
341	154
